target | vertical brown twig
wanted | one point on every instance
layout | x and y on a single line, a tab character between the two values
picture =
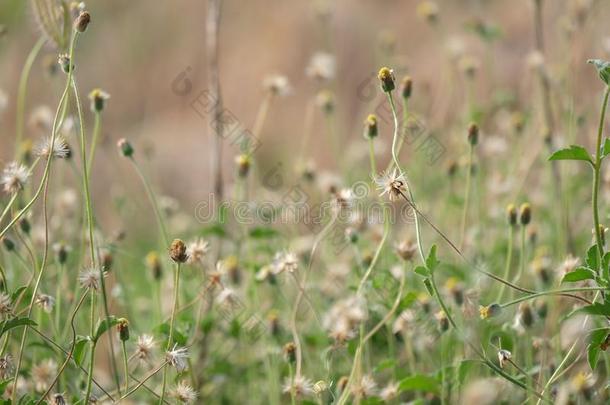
212	25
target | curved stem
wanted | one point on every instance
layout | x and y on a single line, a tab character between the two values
97	128
93	346
551	292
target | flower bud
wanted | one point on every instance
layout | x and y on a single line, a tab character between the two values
243	165
473	134
177	251
490	311
370	127
24	225
82	21
386	77
8	243
154	263
525	214
125	147
407	87
64	61
61	252
98	99
123	329
290	352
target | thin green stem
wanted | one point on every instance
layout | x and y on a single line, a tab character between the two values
21	95
125	366
596	177
551	292
97	128
466	197
93	346
372	158
171	326
509	257
153	201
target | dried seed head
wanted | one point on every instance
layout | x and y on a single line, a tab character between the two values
184	393
387	80
14	177
406	250
98	99
243	165
125	147
177	251
370	126
407	87
473	134
511	212
82	21
525	214
58	399
123	329
503	357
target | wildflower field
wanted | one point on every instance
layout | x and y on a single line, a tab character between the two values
304	202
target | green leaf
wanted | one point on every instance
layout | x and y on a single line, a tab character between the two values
579	274
574	152
464	368
422	271
17	292
263	233
419	382
591	259
385	364
4	384
603	69
428	286
79	348
103	325
431	261
15	323
593	349
596	309
592	356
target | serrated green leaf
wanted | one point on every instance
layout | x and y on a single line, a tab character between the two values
579	274
603	69
574	152
431	260
4	384
419	382
591	258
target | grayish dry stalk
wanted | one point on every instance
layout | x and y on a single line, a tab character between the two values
212	26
